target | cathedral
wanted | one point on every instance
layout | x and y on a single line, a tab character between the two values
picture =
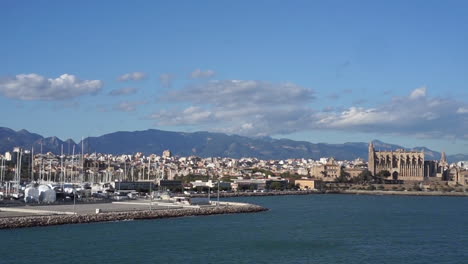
403	165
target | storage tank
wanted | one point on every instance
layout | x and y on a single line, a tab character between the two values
31	195
46	194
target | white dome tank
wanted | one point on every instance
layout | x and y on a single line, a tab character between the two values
31	195
46	194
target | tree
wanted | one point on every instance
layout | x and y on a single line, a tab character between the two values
344	176
276	186
382	175
290	175
264	171
363	177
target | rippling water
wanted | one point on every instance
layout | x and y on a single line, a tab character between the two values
297	229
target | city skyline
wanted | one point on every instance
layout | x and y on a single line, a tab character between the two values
330	72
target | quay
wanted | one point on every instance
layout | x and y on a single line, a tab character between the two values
32	216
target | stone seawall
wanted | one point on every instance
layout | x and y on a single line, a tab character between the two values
32	221
403	193
375	192
244	194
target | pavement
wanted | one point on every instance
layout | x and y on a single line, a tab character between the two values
120	206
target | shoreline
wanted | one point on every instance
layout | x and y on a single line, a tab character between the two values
403	193
63	219
356	192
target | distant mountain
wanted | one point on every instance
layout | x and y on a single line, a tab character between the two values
203	144
23	138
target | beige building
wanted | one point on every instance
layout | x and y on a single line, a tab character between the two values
308	184
326	172
167	154
354	172
455	176
463	178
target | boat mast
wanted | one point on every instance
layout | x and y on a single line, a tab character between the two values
32	164
73	159
61	168
125	168
19	172
1	171
149	167
82	161
50	171
41	168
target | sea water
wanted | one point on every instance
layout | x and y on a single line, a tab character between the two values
297	229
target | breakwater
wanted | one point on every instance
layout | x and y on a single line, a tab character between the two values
32	221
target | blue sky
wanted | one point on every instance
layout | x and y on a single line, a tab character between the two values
320	71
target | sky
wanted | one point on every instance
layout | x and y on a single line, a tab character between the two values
318	71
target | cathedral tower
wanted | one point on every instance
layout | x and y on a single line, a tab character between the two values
371	161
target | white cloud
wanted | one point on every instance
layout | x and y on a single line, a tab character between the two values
239	92
418	93
354	116
36	87
428	117
132	76
262	108
198	73
462	110
166	80
123	91
238	106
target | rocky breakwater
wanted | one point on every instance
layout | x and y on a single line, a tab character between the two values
32	221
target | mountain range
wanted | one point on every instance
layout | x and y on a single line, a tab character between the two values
203	144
